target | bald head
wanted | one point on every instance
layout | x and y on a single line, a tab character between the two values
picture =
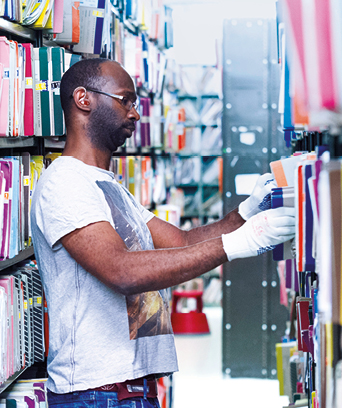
90	73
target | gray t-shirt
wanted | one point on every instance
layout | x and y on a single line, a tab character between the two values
97	336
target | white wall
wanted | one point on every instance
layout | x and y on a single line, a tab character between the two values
198	25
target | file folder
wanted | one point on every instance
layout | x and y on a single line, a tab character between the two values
44	15
309	236
46	98
29	93
14	84
71	23
38	316
57	59
4	335
27	320
6	168
4	101
6	285
145	129
14	208
21	89
26	194
91	27
283	197
25	271
37	94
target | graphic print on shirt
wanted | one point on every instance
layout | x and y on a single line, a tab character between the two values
148	313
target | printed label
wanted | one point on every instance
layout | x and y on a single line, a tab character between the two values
29	83
97	13
6	73
37	300
42	86
55	85
25	304
26	180
31	301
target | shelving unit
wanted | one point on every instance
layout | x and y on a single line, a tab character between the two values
253	319
204	191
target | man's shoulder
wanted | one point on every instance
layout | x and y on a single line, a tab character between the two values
67	169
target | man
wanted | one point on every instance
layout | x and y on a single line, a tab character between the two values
105	260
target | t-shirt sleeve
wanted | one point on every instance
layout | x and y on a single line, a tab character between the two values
146	214
68	202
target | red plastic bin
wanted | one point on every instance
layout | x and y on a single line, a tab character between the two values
193	322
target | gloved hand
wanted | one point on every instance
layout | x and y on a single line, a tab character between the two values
260	233
260	199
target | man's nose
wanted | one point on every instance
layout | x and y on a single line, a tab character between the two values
133	113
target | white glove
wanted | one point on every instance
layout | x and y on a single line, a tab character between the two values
260	199
260	233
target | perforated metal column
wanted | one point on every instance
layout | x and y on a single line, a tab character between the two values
253	319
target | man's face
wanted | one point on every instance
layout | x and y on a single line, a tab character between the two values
110	123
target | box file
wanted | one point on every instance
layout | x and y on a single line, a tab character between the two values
57	60
29	111
45	91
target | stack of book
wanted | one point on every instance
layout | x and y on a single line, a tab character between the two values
18	178
312	183
30	102
22	330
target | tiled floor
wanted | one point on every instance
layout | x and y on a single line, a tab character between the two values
200	384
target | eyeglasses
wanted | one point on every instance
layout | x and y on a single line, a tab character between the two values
125	102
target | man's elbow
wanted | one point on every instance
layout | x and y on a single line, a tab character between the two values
128	287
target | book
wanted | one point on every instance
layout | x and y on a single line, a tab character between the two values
45	91
71	24
91	27
57	61
29	110
4	100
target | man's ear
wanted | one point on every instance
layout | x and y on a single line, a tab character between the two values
81	98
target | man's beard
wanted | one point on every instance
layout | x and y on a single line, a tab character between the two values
104	130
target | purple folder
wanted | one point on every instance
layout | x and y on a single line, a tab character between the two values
145	122
6	168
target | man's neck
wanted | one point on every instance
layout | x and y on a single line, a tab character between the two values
85	151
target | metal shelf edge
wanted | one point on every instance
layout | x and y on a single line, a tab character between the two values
17	29
20	141
26	253
10	380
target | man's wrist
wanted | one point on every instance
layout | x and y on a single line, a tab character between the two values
233	221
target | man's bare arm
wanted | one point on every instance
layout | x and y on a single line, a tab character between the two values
166	235
100	250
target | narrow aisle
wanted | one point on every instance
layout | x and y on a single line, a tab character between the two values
200	383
